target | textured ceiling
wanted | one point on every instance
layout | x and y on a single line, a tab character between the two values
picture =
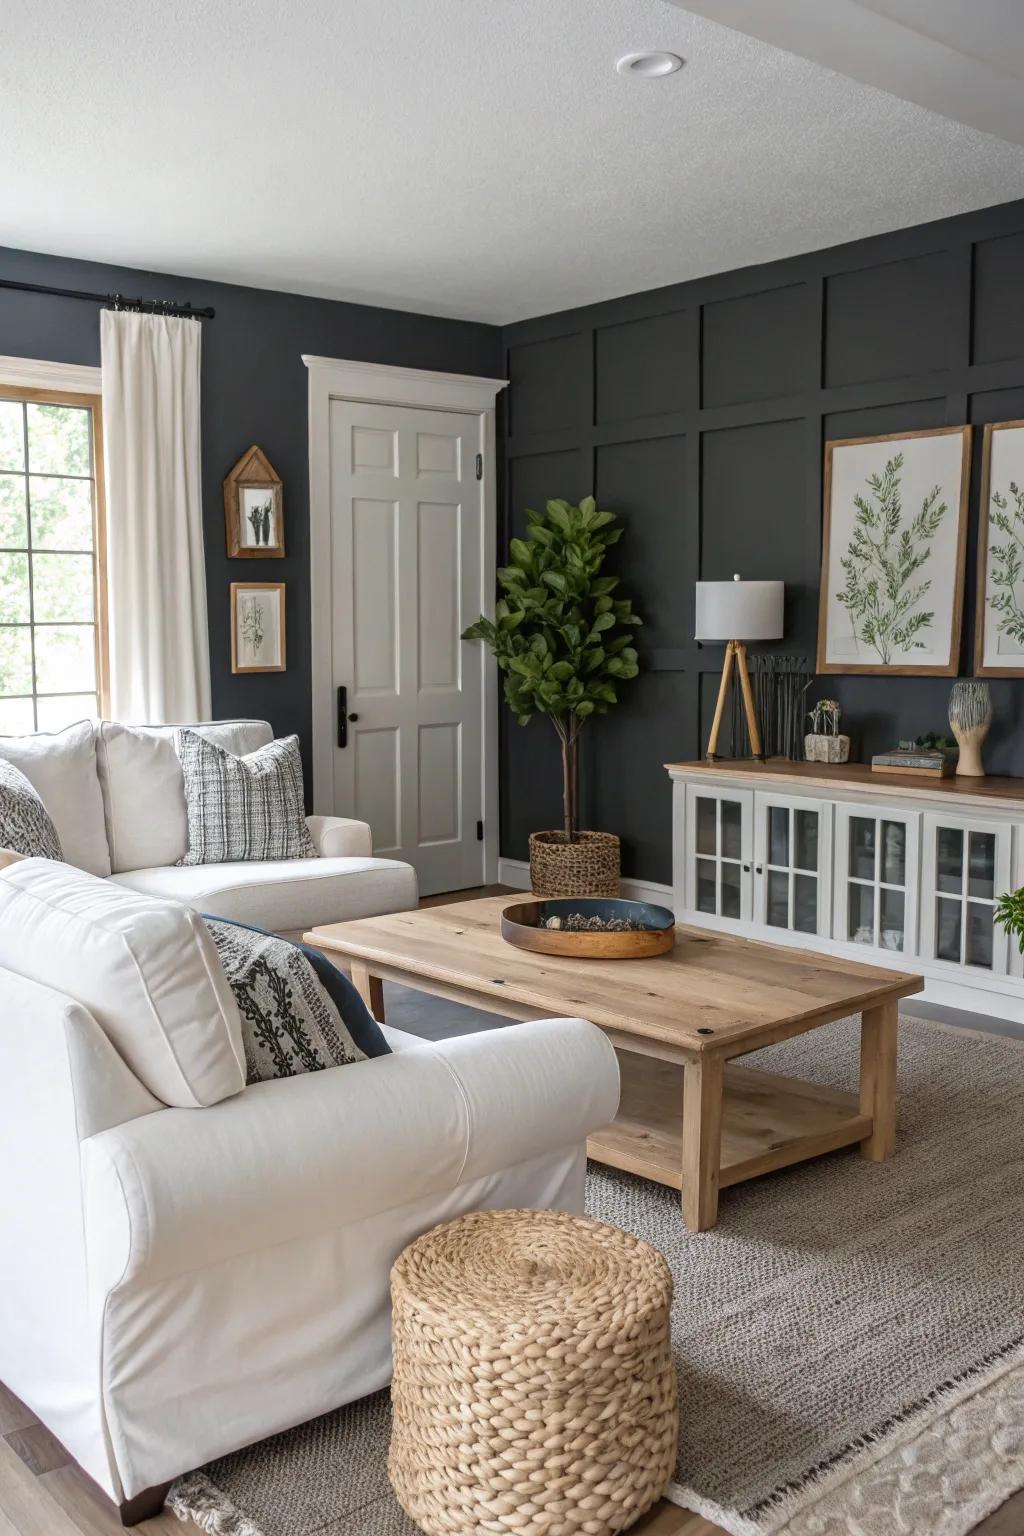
478	158
961	58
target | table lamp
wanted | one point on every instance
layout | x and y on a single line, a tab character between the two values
736	611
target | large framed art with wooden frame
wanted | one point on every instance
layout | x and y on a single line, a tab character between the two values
894	541
999	616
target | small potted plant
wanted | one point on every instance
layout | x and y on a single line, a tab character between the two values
823	743
564	644
1009	914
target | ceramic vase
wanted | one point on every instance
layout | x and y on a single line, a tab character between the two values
970	715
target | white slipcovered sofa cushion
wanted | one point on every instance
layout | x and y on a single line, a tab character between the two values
144	788
285	895
61	767
146	969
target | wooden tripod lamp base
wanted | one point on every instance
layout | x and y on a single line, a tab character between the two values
737	611
735	653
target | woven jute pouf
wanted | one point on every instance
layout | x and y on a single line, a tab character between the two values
534	1390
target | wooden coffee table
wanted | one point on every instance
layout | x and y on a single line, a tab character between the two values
686	1118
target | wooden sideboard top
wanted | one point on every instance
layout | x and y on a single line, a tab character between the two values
1005	792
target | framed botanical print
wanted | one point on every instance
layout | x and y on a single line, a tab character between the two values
253	513
999	621
257	626
893	548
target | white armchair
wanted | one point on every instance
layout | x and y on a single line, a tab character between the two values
177	1283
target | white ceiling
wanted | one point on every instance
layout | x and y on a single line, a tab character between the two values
477	158
962	58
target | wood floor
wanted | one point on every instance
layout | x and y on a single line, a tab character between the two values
43	1493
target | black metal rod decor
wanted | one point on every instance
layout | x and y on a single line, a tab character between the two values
780	684
114	300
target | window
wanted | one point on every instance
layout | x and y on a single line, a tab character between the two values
53	651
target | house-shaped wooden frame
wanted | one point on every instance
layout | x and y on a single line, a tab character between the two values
254	523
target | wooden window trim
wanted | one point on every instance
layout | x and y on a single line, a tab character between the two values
93	404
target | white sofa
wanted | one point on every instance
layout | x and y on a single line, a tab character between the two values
117	798
176	1283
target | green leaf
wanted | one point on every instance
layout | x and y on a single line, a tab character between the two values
521	553
584	708
555	580
558	513
603	605
602	622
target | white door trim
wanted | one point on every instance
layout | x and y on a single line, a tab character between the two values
37	373
380	384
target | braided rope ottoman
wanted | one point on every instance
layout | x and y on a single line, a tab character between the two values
534	1390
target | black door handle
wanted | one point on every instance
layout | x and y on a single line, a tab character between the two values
353	718
342	717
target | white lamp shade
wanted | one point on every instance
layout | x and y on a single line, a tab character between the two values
739	610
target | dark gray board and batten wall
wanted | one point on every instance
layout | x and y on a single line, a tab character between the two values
253	391
699	412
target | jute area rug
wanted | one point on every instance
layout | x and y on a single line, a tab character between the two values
850	1338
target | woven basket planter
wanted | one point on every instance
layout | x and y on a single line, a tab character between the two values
534	1390
587	867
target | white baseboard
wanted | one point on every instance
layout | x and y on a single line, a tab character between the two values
516	872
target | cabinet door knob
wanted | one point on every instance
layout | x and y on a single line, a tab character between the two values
759	870
746	869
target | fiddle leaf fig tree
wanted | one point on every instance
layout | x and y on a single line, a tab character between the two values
561	635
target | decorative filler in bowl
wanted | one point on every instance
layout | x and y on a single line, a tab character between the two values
590	927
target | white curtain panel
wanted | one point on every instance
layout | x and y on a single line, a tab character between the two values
159	641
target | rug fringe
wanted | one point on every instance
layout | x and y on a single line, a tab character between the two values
197	1498
775	1515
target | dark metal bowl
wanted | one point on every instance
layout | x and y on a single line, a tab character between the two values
522	925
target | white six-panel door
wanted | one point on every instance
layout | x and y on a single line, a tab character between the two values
406	530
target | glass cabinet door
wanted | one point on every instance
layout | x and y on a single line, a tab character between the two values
792	847
966	870
718	858
876	878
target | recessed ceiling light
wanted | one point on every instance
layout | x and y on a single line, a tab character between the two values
649	65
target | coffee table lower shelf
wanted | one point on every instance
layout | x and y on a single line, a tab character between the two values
768	1122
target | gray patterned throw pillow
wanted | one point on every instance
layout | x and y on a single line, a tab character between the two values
242	808
25	825
289	1024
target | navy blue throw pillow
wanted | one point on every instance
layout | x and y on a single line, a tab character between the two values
357	1018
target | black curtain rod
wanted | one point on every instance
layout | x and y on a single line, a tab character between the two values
114	300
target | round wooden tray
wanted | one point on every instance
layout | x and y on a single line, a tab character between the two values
521	925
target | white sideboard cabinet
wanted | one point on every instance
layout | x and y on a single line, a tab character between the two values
900	869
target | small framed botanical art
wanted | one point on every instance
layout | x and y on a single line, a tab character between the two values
893	547
999	622
253	513
257	626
